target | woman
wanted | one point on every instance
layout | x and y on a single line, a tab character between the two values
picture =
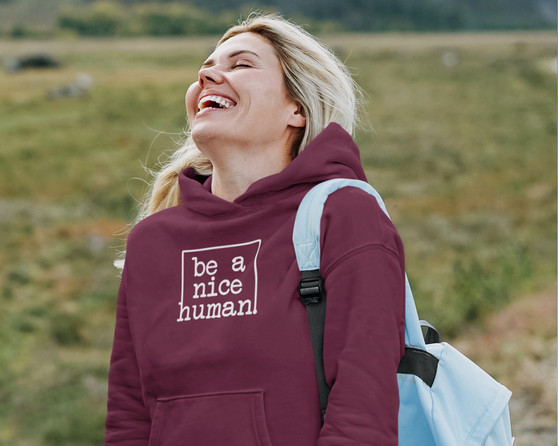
212	343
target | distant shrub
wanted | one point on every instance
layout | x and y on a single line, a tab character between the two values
66	329
7	293
175	19
108	18
102	18
19	32
19	276
22	323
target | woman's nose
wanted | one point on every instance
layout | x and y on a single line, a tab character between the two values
209	75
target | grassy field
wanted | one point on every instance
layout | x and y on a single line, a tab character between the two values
459	136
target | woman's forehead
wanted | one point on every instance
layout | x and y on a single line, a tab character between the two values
249	43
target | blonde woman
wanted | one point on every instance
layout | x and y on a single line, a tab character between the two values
212	343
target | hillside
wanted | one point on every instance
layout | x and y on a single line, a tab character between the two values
28	16
459	136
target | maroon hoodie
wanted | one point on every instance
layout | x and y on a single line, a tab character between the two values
212	344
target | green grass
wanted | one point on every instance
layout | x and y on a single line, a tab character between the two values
464	155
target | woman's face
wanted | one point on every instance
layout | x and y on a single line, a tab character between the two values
240	98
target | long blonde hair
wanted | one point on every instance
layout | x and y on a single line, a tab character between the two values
314	78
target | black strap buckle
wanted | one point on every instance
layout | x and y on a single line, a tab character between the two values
311	287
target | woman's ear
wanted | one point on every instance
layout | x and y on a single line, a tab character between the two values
298	118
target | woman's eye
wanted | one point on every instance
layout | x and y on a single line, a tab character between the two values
241	64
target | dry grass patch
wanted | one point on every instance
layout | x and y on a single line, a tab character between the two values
518	347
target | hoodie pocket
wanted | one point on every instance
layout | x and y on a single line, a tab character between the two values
211	419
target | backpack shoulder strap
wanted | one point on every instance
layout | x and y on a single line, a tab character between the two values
306	240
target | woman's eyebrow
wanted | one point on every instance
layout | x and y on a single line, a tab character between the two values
210	62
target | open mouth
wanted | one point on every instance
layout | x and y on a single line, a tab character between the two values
215	102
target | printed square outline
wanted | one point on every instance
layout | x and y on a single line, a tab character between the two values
258	241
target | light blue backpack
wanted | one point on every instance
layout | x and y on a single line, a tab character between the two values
445	399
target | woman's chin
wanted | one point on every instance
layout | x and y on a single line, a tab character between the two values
208	134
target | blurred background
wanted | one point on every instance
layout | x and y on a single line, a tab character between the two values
459	136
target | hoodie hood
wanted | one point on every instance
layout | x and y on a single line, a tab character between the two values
332	154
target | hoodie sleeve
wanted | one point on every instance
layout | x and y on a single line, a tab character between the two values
128	422
363	269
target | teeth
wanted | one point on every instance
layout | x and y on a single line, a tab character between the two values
220	101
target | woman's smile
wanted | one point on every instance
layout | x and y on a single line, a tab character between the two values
213	101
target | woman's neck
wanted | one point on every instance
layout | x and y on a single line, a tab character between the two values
233	176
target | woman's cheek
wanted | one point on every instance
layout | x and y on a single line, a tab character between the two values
191	99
